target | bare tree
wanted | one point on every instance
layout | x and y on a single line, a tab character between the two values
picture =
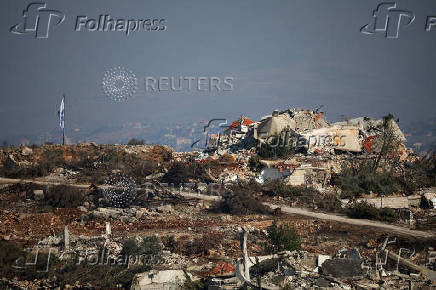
388	141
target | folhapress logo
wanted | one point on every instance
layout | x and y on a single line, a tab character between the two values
387	19
38	20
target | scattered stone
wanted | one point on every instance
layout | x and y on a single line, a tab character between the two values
322	259
166	279
66	238
82	208
26	151
346	265
165	209
38	194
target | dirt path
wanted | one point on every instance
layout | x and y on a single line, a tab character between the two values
357	222
331	217
284	209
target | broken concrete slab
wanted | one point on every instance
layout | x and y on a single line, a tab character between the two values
342	268
165	209
38	194
346	264
154	279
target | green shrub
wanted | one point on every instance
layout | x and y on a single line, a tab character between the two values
330	202
63	196
365	210
103	276
277	188
419	174
242	202
282	238
181	173
51	159
389	215
135	141
169	242
145	167
9	253
149	248
200	246
280	188
254	163
15	262
194	285
362	179
43	267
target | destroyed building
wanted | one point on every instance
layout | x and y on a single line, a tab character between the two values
321	148
308	131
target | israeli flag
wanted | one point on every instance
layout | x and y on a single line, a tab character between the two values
62	114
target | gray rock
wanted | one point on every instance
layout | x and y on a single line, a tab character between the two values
165	209
38	194
342	268
173	279
107	212
82	208
26	151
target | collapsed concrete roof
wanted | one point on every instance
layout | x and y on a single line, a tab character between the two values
296	120
370	127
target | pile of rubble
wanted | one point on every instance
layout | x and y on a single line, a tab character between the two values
309	131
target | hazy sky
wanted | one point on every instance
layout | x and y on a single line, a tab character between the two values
301	53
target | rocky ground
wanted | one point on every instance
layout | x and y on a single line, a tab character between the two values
57	229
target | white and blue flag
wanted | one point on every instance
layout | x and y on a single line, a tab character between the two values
62	114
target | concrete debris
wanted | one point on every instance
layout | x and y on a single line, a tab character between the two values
165	209
346	265
38	194
66	238
154	176
322	258
206	241
166	279
26	151
405	262
396	202
298	121
308	131
108	229
429	195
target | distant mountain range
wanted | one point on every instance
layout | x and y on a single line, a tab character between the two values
421	135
